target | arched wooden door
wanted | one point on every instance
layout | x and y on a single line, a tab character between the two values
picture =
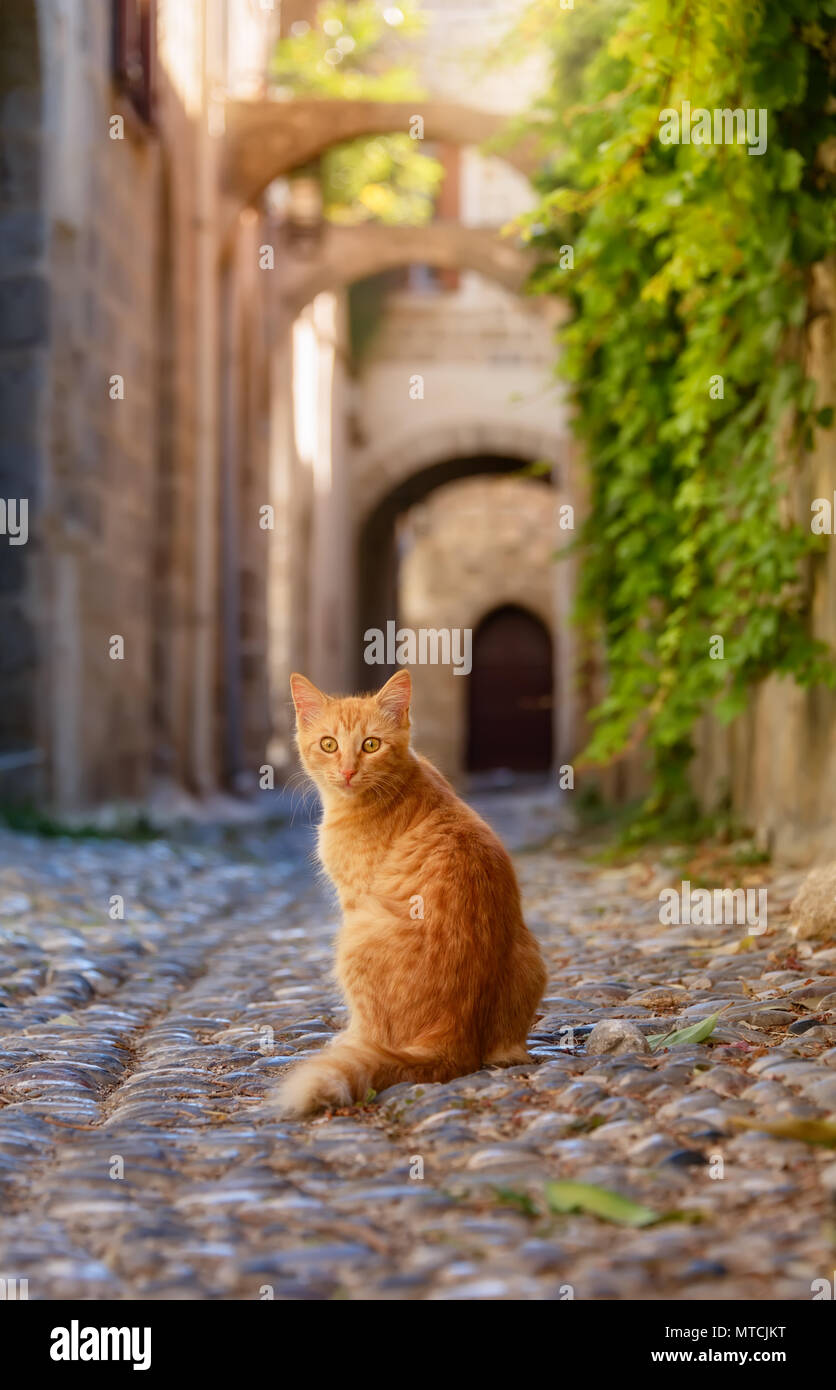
510	694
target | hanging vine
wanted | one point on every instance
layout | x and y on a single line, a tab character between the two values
687	270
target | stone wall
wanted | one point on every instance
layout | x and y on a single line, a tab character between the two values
109	371
249	477
121	265
776	765
24	326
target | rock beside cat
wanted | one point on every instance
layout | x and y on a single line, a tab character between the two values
814	905
615	1036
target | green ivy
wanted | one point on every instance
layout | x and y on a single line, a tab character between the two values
691	262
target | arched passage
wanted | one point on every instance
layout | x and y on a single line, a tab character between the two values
265	139
377	557
345	255
510	696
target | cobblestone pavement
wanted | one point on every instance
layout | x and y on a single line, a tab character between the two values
139	1156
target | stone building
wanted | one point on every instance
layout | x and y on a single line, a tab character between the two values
213	485
121	302
222	487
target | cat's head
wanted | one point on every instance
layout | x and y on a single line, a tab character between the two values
354	745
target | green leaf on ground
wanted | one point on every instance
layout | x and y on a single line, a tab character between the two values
696	1033
566	1196
521	1200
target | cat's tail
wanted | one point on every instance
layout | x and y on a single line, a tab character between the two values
349	1069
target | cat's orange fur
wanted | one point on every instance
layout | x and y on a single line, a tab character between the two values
440	972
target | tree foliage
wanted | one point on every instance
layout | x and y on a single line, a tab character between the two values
691	263
359	51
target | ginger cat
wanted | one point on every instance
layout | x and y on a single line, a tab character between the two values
440	972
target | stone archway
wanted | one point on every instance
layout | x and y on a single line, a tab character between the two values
377	561
347	254
469	547
457	448
265	139
24	318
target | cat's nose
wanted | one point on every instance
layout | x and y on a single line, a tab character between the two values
348	776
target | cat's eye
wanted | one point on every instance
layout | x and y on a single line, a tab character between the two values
371	745
328	744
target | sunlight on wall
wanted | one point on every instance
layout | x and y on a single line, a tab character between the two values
179	45
304	389
325	327
314	339
252	29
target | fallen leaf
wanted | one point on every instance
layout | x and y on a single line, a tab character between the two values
807	1131
565	1196
745	943
695	1033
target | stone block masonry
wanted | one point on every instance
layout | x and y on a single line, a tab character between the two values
24	326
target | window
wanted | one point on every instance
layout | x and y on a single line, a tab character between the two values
134	53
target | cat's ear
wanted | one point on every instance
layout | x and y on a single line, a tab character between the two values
395	695
309	701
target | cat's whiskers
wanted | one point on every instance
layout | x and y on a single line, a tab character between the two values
387	788
303	794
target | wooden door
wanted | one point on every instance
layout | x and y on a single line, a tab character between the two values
511	694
